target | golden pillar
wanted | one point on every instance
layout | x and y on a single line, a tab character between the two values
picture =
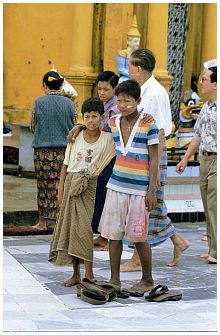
81	73
157	40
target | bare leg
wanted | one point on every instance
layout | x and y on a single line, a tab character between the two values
41	225
75	279
179	245
115	251
144	251
88	270
134	264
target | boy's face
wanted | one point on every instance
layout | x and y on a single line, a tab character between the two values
105	91
127	104
92	120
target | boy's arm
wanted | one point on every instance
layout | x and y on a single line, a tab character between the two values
74	132
61	183
150	199
106	128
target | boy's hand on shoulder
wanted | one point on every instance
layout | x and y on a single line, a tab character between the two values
148	118
150	200
74	132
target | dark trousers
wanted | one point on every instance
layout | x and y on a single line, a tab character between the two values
101	194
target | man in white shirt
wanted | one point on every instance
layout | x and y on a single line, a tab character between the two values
155	101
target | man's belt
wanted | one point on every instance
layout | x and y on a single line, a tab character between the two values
208	153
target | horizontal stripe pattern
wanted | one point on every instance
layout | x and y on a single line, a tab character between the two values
160	227
131	170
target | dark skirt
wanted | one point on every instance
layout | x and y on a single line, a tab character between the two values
101	194
48	164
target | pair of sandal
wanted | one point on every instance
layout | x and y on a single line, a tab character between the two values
162	293
99	292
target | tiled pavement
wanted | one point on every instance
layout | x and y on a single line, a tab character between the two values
35	300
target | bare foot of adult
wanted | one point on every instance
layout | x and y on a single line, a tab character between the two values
105	248
72	281
177	252
205	256
39	226
130	266
204	238
100	241
212	260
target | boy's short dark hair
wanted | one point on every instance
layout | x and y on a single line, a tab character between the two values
109	76
129	87
143	58
92	104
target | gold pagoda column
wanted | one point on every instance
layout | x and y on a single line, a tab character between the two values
81	73
157	31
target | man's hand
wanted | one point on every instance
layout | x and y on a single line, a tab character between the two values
150	200
60	195
148	117
73	133
158	178
181	166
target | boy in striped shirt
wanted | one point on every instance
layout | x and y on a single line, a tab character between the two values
131	187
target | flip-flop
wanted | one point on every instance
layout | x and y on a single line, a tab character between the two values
121	293
133	292
170	295
95	287
93	298
156	292
164	295
137	292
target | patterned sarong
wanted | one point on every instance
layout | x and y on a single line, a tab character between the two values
73	236
48	164
160	225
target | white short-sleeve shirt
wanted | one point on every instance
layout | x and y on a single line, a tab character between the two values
89	158
155	101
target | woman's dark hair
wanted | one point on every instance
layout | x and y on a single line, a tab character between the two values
213	76
53	80
194	81
109	76
92	104
129	87
143	58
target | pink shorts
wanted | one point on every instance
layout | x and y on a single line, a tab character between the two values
124	215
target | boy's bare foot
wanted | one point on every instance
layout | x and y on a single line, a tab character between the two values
177	252
38	226
72	281
204	238
100	241
142	287
130	266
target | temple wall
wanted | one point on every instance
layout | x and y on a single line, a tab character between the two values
68	35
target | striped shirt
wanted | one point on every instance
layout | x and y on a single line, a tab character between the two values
130	174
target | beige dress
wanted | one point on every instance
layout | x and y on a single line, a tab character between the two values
73	236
